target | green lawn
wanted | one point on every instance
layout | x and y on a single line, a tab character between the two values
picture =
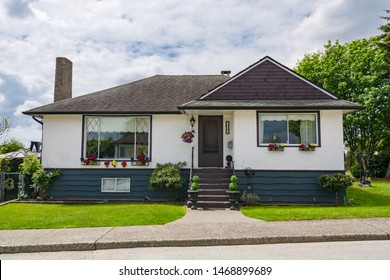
370	202
36	216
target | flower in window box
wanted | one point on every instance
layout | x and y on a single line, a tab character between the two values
271	147
107	163
302	147
124	163
91	159
312	147
187	136
142	159
113	163
276	147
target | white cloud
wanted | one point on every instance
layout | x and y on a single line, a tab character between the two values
2	97
118	41
28	104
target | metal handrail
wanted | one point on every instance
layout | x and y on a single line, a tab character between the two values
192	167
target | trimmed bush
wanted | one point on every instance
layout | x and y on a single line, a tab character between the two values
335	183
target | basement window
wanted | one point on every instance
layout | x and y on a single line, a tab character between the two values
115	185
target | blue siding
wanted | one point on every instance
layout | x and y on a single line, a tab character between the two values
287	187
86	184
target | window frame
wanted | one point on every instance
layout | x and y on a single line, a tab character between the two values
318	126
84	135
115	184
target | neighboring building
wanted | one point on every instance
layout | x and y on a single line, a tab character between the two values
264	104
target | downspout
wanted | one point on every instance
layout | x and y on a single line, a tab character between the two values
37	120
41	123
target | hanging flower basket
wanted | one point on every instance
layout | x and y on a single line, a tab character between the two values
187	136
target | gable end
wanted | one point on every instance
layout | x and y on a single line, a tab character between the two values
268	80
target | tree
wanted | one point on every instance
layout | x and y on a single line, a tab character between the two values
11	146
355	71
5	125
384	43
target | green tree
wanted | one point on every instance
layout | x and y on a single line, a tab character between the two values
384	43
5	125
355	71
11	146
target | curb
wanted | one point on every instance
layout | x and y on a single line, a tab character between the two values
188	243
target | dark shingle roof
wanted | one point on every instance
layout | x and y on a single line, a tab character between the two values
267	79
157	94
320	104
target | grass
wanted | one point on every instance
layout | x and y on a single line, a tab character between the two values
39	216
369	202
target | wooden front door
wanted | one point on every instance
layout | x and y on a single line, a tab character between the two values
210	141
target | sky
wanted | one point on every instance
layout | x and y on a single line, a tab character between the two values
113	42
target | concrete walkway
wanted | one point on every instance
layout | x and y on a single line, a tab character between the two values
196	228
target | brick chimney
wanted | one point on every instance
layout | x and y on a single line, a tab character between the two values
63	79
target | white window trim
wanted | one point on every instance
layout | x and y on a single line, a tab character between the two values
259	113
116	180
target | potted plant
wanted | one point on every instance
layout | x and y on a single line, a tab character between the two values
229	160
233	193
194	191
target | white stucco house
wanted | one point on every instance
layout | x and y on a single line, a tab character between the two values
262	117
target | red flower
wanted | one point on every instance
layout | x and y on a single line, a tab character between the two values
91	157
271	147
124	163
107	163
87	161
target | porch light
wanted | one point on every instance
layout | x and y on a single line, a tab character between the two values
192	121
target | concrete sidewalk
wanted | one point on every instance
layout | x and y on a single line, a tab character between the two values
196	228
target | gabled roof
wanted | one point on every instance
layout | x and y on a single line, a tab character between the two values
267	79
266	84
269	85
157	94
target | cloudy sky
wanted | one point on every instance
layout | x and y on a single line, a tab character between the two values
112	42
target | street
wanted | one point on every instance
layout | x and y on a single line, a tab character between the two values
351	250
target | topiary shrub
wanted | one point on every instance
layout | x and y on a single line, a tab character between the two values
335	183
195	183
233	183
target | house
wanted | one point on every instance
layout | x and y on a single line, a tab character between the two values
288	130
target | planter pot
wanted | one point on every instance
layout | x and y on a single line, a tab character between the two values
193	198
233	199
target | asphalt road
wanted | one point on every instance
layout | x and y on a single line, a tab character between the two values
351	250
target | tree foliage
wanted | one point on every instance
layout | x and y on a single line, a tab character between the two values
355	71
11	146
5	125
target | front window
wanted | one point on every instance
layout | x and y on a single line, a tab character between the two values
117	137
288	128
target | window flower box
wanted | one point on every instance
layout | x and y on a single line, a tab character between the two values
307	147
276	147
91	159
141	160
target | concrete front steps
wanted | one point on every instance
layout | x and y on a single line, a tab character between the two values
213	184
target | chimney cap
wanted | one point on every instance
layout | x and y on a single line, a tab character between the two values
226	72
